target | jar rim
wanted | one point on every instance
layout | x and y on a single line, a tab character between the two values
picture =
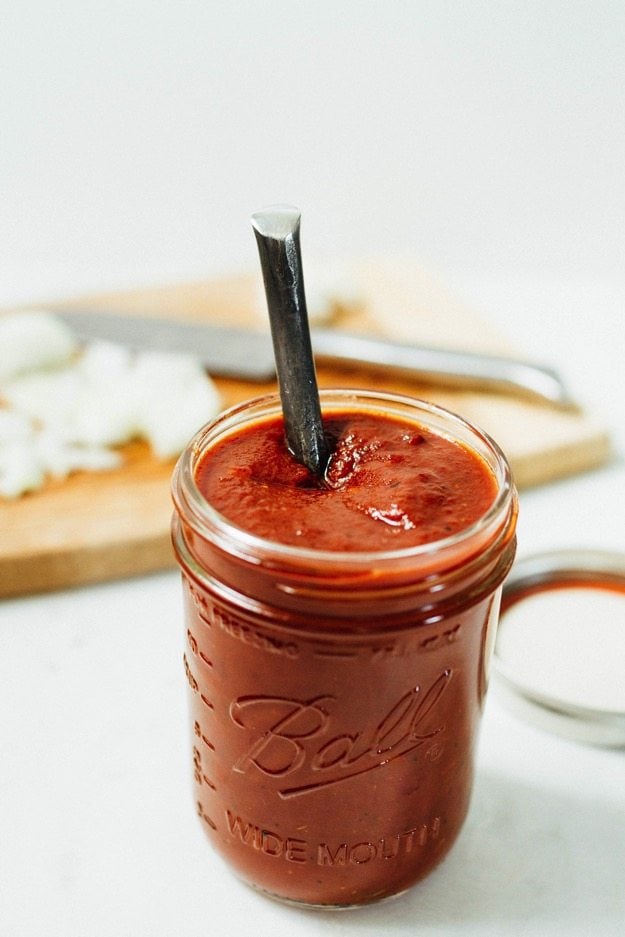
189	500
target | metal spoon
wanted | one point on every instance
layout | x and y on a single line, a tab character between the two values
277	235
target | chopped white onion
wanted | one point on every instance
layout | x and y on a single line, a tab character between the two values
57	420
175	412
105	411
59	457
21	469
31	340
14	427
46	396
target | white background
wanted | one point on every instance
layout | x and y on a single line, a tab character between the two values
487	139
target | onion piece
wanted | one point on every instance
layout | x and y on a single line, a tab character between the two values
59	458
21	469
14	427
47	396
106	407
65	418
31	340
174	399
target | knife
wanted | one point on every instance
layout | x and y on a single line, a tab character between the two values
247	354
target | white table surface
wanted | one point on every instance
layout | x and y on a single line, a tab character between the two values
141	139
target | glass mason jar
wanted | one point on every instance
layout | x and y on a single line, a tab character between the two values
336	697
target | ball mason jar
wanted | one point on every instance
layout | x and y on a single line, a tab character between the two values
335	698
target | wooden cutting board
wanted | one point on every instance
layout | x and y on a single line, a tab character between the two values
94	527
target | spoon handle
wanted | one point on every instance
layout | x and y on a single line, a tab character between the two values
277	235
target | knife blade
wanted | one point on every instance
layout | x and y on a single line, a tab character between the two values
247	354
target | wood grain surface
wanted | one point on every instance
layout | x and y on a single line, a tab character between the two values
100	526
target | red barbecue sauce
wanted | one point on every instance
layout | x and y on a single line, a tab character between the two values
335	700
389	485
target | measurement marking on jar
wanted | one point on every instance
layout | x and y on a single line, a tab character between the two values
201	604
205	816
329	652
190	678
387	650
192	681
434	641
374	653
204	618
200	735
203	615
248	634
202	779
198	770
195	648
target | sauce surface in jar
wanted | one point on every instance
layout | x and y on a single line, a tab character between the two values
390	484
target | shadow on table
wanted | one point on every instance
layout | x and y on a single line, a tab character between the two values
525	855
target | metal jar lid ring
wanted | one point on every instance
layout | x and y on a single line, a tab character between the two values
559	657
